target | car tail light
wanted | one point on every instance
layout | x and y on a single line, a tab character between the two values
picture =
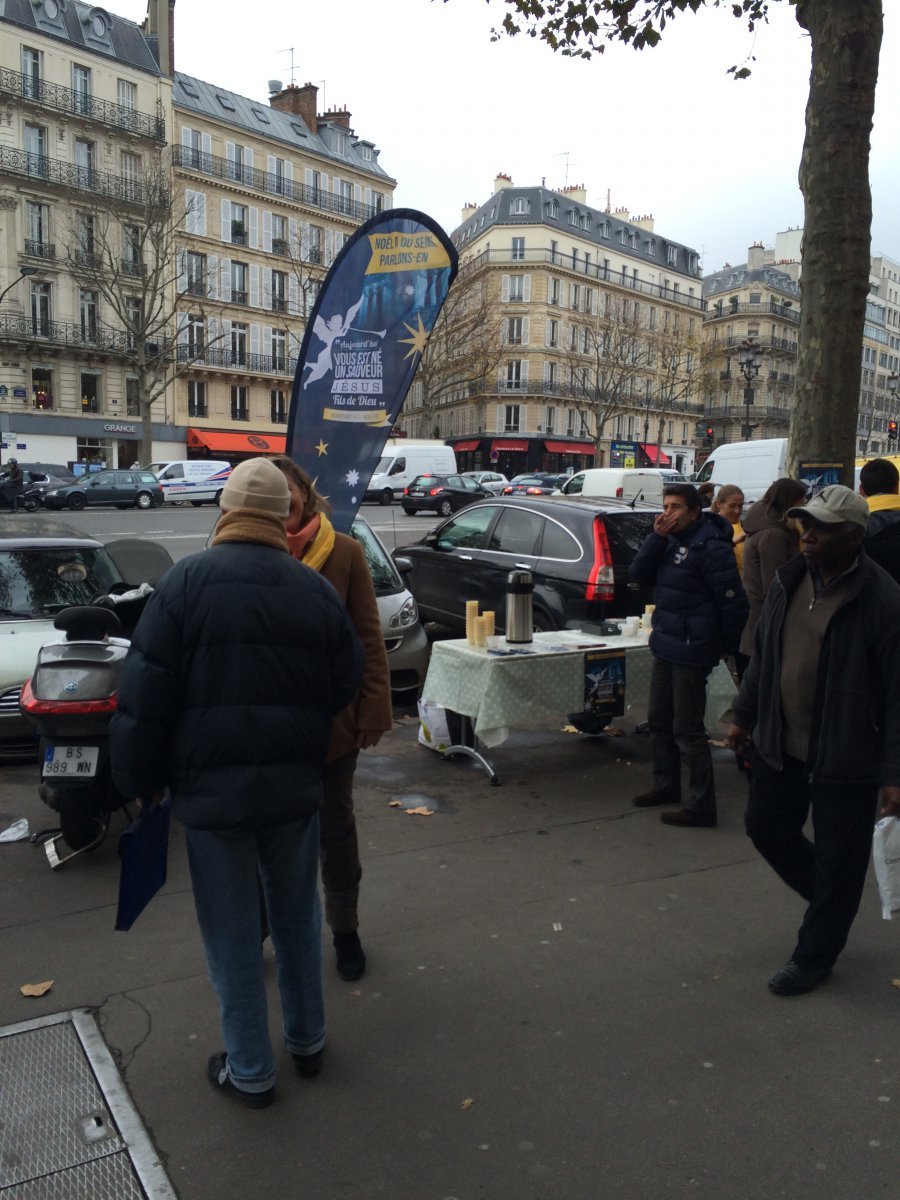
29	704
600	583
435	491
620	492
406	491
533	491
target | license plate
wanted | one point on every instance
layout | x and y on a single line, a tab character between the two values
71	761
417	493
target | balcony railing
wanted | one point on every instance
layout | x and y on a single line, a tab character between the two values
769	343
63	99
66	174
784	312
87	258
279	246
238	297
273	185
738	412
234	360
590	270
196	287
131	266
40	249
580	392
279	304
69	333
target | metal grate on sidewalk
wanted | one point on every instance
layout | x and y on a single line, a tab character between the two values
68	1128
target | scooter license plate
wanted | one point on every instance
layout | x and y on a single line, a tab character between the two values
71	761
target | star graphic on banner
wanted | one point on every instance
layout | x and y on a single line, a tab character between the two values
409	290
418	340
352	478
322	448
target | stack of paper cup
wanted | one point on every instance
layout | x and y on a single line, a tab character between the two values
471	618
489	619
480	632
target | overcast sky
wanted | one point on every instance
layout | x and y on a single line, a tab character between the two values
665	131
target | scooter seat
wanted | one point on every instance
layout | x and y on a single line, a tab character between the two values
84	623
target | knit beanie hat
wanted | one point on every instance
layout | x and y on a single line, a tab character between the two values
256	484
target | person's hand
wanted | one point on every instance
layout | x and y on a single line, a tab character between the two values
741	537
890	801
153	802
367	738
738	739
665	524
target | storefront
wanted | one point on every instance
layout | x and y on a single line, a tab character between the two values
519	454
233	447
82	443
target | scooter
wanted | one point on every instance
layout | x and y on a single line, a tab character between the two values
70	699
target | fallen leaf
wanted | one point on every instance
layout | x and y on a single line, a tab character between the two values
467	1104
896	983
395	803
36	989
569	729
421	811
716	742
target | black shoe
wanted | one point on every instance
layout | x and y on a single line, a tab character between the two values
651	799
308	1065
217	1074
794	980
688	819
351	961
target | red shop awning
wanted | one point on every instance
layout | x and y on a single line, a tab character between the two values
568	448
470	445
658	457
509	444
236	443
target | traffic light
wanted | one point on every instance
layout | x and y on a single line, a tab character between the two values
892	431
710	434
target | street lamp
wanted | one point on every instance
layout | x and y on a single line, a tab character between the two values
749	364
24	272
893	381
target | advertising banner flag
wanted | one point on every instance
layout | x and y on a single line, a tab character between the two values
364	340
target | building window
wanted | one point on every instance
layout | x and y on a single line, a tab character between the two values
240	404
514	331
132	397
131	249
126	93
278	406
192	144
378	201
345	195
81	88
90	392
279	291
31	70
517	288
134	320
196	335
238	344
131	171
279	350
277	176
42	388
196	392
671	256
36	150
239	225
84	161
511	418
575	294
553	333
520	206
279	234
87	310
40	309
518	249
514	374
37	242
239	273
195	273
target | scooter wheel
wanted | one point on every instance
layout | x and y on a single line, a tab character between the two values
31	506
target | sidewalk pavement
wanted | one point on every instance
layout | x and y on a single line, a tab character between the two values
565	1000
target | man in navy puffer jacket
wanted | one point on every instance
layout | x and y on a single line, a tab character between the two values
700	611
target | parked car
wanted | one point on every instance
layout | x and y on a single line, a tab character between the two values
45	566
49	470
670	475
443	494
577	550
492	480
123	489
531	485
401	626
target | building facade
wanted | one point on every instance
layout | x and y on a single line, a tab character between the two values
596	358
162	240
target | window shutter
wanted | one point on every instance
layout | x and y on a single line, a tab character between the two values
190	216
526	294
254	228
225	277
267	288
293	295
212	277
307	177
181	335
293	345
200	224
229	151
248	157
254	339
524	370
324	182
367	197
226	333
182	271
329	246
526	330
226	220
206	143
267	231
254	285
501	418
304	240
186	135
292	235
289	170
270	164
504	289
357	193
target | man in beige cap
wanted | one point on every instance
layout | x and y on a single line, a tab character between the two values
236	669
821	699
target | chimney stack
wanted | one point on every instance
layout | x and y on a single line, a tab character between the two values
300	102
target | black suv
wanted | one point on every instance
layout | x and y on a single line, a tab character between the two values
578	552
442	494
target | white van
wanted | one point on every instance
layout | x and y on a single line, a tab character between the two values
401	461
625	483
196	480
753	466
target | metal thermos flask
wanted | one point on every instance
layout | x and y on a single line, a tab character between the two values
519	587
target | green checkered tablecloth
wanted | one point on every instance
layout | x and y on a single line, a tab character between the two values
500	692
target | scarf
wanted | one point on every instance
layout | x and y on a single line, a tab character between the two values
250	525
313	543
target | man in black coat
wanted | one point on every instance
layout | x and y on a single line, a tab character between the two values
821	698
879	482
236	668
700	612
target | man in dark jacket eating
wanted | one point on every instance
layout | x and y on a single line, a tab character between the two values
237	666
700	612
821	697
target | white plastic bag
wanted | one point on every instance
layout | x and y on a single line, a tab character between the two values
433	730
17	832
886	853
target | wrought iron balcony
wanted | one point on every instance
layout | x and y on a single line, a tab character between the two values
91	337
784	312
584	394
87	258
238	297
224	358
196	287
279	304
40	249
738	412
63	99
273	185
131	266
279	246
69	175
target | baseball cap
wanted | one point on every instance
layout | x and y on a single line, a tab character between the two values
833	506
256	483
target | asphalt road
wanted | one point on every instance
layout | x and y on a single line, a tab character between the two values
184	530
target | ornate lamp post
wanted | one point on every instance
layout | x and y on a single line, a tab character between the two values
748	364
24	272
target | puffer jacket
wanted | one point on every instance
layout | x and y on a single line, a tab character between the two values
236	669
882	537
770	543
700	603
855	735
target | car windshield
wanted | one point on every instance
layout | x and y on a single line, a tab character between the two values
38	580
383	571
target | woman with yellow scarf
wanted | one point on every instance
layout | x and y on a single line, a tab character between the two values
339	558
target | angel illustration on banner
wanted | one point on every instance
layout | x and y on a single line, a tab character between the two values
328	332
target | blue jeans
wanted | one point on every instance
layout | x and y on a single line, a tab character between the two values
225	866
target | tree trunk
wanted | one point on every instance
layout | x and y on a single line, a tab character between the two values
145	446
834	179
